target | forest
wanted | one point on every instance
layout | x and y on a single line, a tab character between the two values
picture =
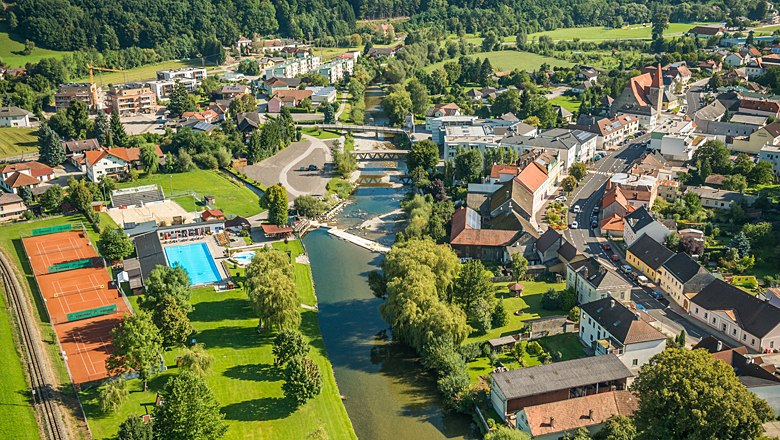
179	27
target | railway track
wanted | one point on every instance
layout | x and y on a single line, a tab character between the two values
42	392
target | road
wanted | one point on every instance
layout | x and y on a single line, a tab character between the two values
693	96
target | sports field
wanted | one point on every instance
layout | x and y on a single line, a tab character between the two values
512	59
17	141
596	33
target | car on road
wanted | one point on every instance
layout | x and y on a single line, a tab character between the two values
625	268
594	224
313	167
574	225
641	308
577	208
560	199
614	257
657	295
606	247
595	210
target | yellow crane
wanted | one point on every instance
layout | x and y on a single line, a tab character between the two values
93	86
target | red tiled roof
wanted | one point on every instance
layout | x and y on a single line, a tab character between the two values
483	237
614	195
497	170
209	213
298	95
760	105
532	176
572	414
36	169
126	154
274	229
18	180
613	223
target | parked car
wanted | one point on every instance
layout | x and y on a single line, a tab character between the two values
625	268
574	225
614	257
560	199
313	167
596	210
657	295
606	247
594	224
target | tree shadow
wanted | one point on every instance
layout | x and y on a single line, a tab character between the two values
262	409
215	311
255	372
231	337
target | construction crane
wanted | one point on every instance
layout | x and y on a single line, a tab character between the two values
93	86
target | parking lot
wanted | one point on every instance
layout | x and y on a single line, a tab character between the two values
144	123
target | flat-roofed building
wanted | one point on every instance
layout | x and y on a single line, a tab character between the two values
132	98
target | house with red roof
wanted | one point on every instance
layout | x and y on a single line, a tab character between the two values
287	98
212	215
25	174
113	161
642	97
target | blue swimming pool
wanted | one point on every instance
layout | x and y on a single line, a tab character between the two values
196	260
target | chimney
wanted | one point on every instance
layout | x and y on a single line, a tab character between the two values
590	414
552	422
637	316
719	347
611	303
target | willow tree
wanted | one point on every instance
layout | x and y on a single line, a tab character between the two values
271	288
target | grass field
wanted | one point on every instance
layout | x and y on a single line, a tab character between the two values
320	134
11	47
17	141
512	59
244	380
570	103
596	33
147	72
231	197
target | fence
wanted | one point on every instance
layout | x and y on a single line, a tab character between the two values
91	313
78	264
51	230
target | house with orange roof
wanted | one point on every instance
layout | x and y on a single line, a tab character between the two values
527	191
642	98
25	174
212	215
612	226
613	131
503	173
615	203
287	98
113	161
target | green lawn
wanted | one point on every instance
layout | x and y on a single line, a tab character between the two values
512	59
231	197
320	134
530	303
570	103
11	47
595	33
142	73
244	380
17	141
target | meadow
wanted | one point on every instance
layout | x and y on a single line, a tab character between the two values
17	141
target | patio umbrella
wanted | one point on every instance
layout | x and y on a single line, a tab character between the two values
516	288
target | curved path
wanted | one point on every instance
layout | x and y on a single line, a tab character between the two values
314	145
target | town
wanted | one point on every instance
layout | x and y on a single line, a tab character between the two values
394	228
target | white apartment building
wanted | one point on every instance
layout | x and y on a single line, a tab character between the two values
196	73
676	139
294	67
593	280
163	88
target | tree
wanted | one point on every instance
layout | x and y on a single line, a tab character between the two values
189	410
114	244
617	427
474	292
118	134
468	166
672	241
134	428
418	93
691	395
741	243
149	158
424	154
329	112
197	360
519	266
735	182
309	206
50	146
167	281
26	194
243	104
302	380
275	198
507	102
137	346
716	153
271	288
102	129
660	23
171	319
180	101
692	246
78	118
578	170
51	199
289	345
503	432
568	184
761	174
112	395
397	104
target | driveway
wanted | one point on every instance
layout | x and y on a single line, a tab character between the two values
285	167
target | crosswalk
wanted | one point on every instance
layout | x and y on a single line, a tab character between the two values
602	173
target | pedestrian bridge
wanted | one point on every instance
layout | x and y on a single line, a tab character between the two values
358	128
379	154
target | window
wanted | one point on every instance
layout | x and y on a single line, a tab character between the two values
634	362
772	344
744	337
734	331
713	320
752	341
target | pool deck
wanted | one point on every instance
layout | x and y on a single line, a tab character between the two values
217	252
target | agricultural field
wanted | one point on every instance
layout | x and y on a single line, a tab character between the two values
148	72
231	197
598	33
11	47
512	59
17	141
243	377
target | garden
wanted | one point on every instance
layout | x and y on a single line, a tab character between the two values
557	215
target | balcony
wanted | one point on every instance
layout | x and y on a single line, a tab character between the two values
607	346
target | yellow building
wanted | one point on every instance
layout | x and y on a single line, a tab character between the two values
648	256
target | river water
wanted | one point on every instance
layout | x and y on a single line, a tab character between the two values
388	395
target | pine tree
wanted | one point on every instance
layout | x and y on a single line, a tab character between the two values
180	101
102	130
50	146
118	134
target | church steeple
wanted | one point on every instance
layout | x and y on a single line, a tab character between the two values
658	88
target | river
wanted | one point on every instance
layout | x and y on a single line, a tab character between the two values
388	395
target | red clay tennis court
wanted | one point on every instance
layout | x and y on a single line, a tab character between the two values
82	306
45	251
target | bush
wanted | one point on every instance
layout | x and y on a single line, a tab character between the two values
206	161
499	317
551	299
534	349
470	351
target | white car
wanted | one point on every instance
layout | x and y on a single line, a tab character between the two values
577	208
560	199
574	224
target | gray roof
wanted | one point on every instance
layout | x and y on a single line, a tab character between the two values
712	112
706	192
599	275
558	376
638	219
11	111
650	252
755	316
682	267
557	138
8	198
621	322
150	253
550	237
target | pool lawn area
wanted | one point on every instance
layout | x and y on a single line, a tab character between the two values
244	379
196	260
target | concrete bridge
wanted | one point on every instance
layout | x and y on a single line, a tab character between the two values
378	129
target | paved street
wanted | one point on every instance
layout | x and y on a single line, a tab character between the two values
693	96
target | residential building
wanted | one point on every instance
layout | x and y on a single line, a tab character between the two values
335	70
271	85
759	107
615	203
11	207
734	59
593	279
384	52
767	135
647	256
438	111
322	95
572	145
25	175
89	94
612	226
527	192
113	161
610	132
233	91
719	198
132	98
511	391
609	327
676	139
682	278
639	222
295	67
706	32
196	73
206	115
771	154
555	252
11	116
163	88
469	240
738	315
668	190
642	97
287	98
556	420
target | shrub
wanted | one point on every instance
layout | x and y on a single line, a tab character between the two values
534	349
470	351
